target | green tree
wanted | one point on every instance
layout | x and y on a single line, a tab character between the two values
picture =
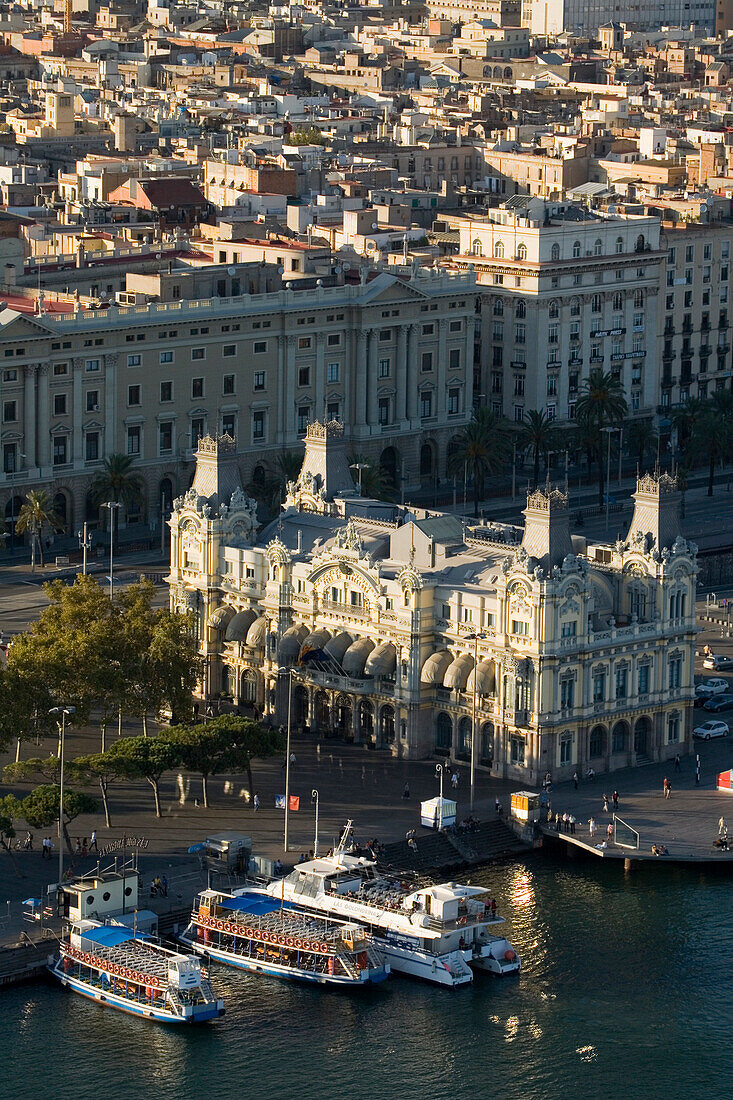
145	758
118	481
10	811
37	513
710	441
25	701
539	434
601	405
203	749
227	744
41	808
481	450
642	439
37	767
174	666
100	767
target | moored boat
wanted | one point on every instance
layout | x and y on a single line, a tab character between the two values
258	933
124	969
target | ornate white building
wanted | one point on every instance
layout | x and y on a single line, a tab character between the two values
405	629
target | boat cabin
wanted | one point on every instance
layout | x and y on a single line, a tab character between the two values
448	904
98	895
184	972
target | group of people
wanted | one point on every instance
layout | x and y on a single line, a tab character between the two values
159	887
82	848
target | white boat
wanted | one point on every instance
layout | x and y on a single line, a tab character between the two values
123	969
438	933
266	936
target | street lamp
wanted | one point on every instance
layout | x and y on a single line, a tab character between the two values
314	798
359	466
85	544
439	770
63	711
113	505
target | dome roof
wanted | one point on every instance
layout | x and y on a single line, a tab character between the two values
435	667
257	632
484	677
338	646
382	661
456	674
354	658
290	643
239	626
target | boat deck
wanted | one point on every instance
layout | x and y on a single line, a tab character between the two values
132	955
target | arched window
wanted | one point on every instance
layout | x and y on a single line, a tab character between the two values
465	730
598	247
574	307
520	310
597	742
618	300
498	307
640	243
576	250
554	309
620	737
619	244
444	732
499	249
596	303
638	299
555	252
476	248
522	251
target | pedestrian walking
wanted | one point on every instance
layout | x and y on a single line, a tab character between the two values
677	763
614	798
592	826
406	791
722	827
667	789
93	841
605	804
28	841
566	822
575	780
454	781
572	824
497	807
697	769
609	832
256	802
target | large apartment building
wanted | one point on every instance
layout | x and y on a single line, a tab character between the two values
407	631
564	290
392	358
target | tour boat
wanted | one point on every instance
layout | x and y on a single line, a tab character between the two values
124	969
255	932
438	933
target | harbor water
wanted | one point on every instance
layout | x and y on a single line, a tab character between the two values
625	992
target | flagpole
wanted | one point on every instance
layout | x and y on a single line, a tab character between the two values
287	757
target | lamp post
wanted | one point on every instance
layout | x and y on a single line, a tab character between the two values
359	466
439	770
63	711
85	544
113	505
314	798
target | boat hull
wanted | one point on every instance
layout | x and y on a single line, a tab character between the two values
274	970
421	964
198	1014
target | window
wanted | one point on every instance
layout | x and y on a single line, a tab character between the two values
197	431
553	334
454	401
621	682
332	372
498	307
333	410
476	247
10	411
384	365
518	414
516	749
92	446
643	679
133	395
552	385
91	365
555	252
384	410
259	347
519	385
134	360
229	350
133	440
426	403
92	397
229	425
427	361
499	250
567	694
60	450
522	252
304	342
304	415
454	359
304	376
165	357
60	370
259	380
599	687
576	250
520	334
566	749
673	728
333	340
427	330
675	672
258	425
569	629
619	244
598	247
689	253
520	627
165	435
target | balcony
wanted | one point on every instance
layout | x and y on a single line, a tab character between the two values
346	610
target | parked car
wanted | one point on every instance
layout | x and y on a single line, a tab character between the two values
711	687
718	702
711	729
717	662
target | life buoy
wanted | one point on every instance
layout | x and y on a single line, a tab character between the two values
324	947
290	941
510	955
463	920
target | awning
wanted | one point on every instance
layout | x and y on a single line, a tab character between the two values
239	626
109	935
290	643
257	632
256	904
434	669
316	640
338	646
457	673
355	657
382	661
485	676
222	616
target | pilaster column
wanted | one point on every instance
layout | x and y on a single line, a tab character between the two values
413	373
29	445
110	408
320	387
282	398
289	391
441	370
44	422
400	411
372	379
360	390
77	433
470	342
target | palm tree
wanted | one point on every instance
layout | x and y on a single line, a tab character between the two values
117	481
642	439
481	451
683	419
539	433
36	513
710	440
270	490
601	405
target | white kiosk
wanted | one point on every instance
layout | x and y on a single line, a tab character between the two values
436	813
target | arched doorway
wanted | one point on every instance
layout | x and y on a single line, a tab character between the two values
344	717
259	477
226	680
322	711
620	737
444	733
366	719
61	508
642	730
248	686
427	462
165	495
465	729
300	705
597	742
386	726
487	744
389	460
